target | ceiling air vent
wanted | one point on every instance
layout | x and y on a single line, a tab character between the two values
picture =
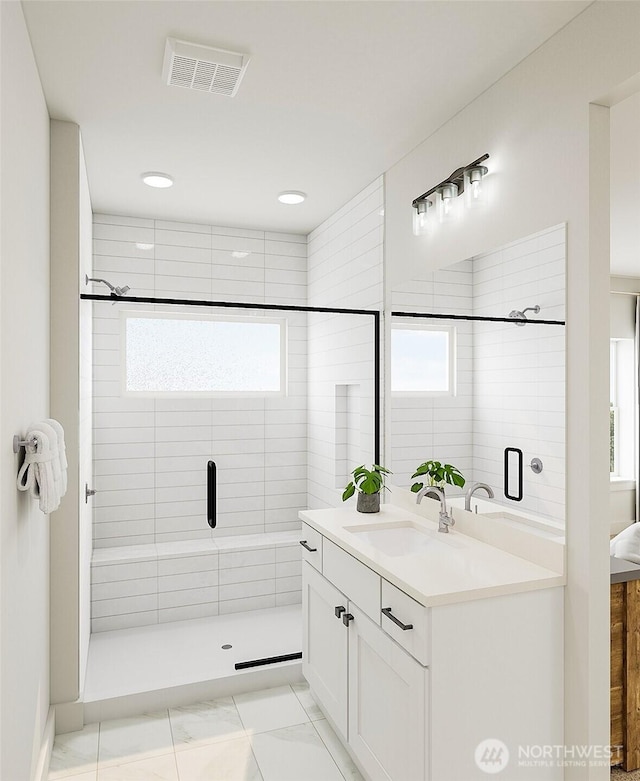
192	66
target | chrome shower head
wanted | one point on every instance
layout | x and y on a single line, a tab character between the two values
516	314
115	291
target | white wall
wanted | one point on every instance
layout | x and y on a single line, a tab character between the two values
24	397
549	160
625	187
345	270
71	406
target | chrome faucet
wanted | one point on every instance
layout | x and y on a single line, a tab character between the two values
445	520
471	491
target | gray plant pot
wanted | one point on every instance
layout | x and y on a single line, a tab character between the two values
368	503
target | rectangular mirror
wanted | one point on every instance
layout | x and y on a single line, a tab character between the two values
477	357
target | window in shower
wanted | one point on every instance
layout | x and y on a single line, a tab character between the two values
422	360
168	354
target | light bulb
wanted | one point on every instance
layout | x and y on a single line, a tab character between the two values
422	220
447	196
474	191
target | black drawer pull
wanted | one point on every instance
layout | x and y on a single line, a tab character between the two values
339	610
389	614
346	618
306	545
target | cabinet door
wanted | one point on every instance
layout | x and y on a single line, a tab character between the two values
325	645
387	704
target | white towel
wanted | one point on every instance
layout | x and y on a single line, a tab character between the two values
62	454
36	473
626	545
52	436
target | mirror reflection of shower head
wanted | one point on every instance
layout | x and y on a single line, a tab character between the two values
516	314
115	291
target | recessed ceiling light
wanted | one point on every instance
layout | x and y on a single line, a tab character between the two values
292	197
157	179
141	245
239	254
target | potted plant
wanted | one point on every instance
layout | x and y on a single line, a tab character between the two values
369	484
437	474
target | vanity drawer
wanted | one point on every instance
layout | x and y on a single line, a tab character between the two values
311	543
417	640
360	584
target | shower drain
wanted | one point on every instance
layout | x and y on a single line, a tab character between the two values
226	646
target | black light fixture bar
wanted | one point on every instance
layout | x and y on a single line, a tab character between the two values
457	177
328	310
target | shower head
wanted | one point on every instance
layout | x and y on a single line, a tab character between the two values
516	314
115	291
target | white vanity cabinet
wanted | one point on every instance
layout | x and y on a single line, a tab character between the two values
373	691
413	690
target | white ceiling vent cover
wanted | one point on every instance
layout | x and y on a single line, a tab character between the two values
198	67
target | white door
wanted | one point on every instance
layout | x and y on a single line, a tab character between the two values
325	644
387	704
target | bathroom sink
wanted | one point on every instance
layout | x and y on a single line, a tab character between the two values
402	538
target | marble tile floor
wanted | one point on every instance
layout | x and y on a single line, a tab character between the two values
275	734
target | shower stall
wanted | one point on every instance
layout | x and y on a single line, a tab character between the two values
223	404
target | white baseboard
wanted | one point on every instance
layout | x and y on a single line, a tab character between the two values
69	716
44	757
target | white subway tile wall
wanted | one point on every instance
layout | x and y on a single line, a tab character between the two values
150	454
175	581
344	270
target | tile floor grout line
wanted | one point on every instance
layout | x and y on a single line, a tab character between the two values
317	731
173	745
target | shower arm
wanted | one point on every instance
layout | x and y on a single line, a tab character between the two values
115	291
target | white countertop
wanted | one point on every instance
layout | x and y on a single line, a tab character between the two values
440	569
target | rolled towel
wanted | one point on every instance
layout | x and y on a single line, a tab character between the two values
62	453
52	436
626	545
36	473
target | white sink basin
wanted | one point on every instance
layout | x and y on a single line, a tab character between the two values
402	538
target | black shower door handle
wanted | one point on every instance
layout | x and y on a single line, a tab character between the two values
507	460
211	494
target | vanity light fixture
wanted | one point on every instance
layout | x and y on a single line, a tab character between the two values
157	179
467	180
292	197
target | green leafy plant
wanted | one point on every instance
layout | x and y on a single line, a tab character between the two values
437	474
367	481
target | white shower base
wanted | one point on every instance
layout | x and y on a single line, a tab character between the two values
132	671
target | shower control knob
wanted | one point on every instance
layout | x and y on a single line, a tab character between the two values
88	492
536	466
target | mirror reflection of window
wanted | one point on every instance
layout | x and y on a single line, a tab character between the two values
422	360
621	409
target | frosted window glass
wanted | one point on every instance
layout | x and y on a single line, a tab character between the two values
419	361
177	355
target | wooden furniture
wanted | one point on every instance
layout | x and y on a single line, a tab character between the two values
625	674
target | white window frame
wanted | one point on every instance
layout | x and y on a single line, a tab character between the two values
452	358
131	314
613	397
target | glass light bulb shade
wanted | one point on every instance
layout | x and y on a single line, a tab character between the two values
422	218
447	202
475	191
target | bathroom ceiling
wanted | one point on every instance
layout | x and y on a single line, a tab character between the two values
335	94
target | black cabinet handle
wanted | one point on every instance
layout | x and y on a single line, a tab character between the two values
346	618
387	612
306	545
211	493
339	610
